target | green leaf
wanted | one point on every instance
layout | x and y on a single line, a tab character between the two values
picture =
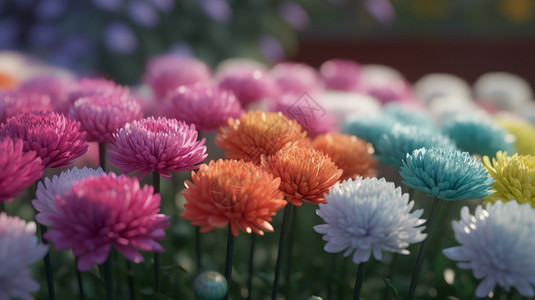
392	288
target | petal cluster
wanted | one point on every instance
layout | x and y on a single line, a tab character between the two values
248	84
446	174
497	244
365	216
206	107
256	133
157	145
102	116
306	174
478	135
47	193
87	87
352	155
13	102
105	211
56	138
19	248
341	74
19	169
232	192
393	146
514	178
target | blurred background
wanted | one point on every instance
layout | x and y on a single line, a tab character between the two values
114	38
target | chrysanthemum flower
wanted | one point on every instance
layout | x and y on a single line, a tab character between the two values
365	216
349	153
446	174
514	178
341	74
54	87
105	211
478	136
167	72
206	107
368	127
162	145
393	146
523	131
15	101
102	116
256	133
55	137
497	244
296	78
19	248
306	174
88	87
407	116
19	169
232	192
248	84
47	194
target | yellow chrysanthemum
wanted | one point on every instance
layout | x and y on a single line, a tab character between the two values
524	133
515	178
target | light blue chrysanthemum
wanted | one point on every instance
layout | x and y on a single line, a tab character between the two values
393	146
478	135
368	128
446	174
407	116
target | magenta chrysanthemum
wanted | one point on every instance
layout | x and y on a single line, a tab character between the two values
168	72
248	84
102	116
47	194
19	169
19	248
15	101
55	137
341	74
206	107
54	87
296	78
88	87
162	145
105	211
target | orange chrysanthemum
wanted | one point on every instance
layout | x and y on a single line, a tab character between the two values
235	192
349	153
257	133
7	81
306	174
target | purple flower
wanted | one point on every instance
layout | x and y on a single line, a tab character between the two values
206	107
217	10
248	84
19	169
294	14
54	87
168	72
55	137
14	101
143	13
102	116
297	78
119	38
89	87
157	145
271	48
341	74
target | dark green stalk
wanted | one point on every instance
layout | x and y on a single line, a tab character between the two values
102	155
279	253
251	263
198	246
344	273
431	220
48	267
80	282
386	293
332	266
228	260
358	282
293	217
130	280
497	293
156	184
108	276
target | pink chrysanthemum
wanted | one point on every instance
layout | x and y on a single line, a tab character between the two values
53	87
13	102
19	169
248	84
168	72
389	90
47	194
88	87
105	211
341	74
296	78
102	116
206	107
19	248
162	145
56	138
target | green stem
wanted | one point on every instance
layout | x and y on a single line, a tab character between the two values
198	247
251	263
392	267
108	277
332	266
156	262
48	266
79	278
228	260
279	252
358	282
437	204
293	216
102	155
130	280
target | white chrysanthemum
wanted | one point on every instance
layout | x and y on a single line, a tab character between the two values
46	194
497	244
19	247
369	215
